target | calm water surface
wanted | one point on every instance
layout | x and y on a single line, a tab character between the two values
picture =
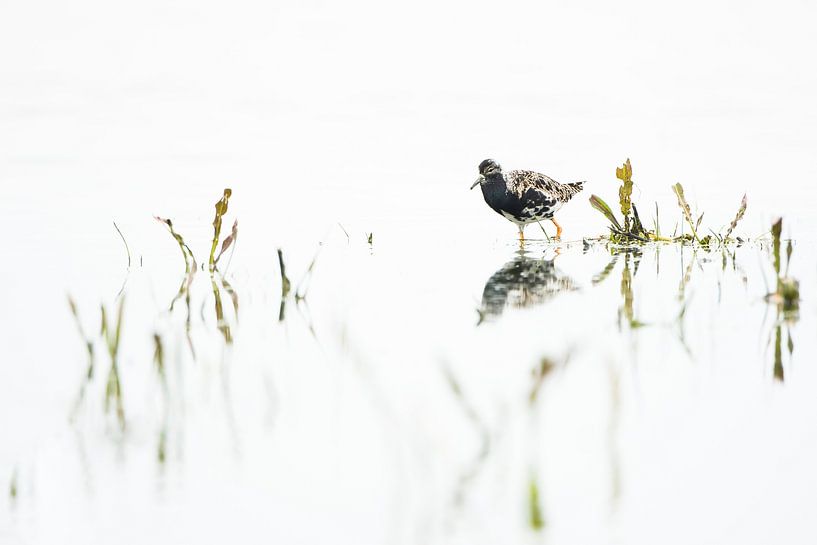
426	390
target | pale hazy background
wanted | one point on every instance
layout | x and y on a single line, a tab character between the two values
326	111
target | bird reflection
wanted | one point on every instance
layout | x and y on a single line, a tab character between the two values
521	283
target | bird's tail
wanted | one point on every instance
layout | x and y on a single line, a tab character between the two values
575	187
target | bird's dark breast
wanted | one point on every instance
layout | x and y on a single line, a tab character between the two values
531	206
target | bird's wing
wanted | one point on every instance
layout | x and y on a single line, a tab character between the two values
522	181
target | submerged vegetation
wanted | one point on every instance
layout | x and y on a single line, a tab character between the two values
633	230
110	333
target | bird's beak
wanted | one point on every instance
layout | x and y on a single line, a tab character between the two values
479	181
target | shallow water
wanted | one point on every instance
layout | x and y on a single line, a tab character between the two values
426	393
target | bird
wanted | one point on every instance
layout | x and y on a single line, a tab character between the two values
523	196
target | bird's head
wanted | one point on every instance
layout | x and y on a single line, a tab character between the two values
487	168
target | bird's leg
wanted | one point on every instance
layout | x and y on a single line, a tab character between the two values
521	233
558	229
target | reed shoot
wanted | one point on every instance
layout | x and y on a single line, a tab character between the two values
221	209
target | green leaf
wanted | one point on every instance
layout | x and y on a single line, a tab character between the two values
625	192
221	209
599	204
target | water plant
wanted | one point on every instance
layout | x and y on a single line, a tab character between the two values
678	189
632	230
190	266
539	374
221	322
285	284
111	334
625	192
125	242
536	517
231	292
13	486
228	241
89	348
787	289
738	217
626	289
303	285
187	253
786	299
159	358
159	362
221	209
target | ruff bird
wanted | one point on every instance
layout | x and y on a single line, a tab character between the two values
523	196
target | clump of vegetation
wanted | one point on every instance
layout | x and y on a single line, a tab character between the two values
190	266
632	230
229	240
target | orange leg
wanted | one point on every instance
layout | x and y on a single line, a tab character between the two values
558	229
521	233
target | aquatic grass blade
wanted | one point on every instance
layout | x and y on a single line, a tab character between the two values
187	253
125	242
738	217
303	285
599	204
228	241
221	321
285	283
678	189
777	229
657	225
221	209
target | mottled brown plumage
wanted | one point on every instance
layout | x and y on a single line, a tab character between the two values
523	196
